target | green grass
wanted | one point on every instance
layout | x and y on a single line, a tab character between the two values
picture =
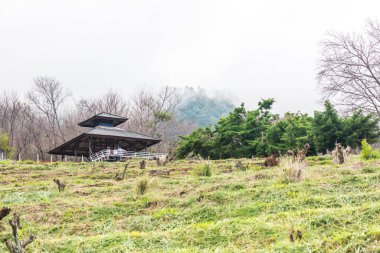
336	207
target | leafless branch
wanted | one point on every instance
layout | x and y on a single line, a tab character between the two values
349	69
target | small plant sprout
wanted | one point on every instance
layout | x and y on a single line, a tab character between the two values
367	152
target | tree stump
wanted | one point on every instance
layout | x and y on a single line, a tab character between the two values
4	212
18	246
271	161
142	164
338	154
61	185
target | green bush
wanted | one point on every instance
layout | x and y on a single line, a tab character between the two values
203	170
245	133
367	151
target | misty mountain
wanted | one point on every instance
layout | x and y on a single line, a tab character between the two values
201	108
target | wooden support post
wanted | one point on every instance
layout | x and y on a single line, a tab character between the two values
89	146
82	158
19	157
38	158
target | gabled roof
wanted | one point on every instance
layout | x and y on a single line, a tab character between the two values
91	122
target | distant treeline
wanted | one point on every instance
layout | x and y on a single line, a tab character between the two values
48	114
259	132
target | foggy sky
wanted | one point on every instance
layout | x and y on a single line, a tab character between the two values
246	49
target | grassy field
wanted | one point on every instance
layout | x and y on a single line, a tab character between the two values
336	208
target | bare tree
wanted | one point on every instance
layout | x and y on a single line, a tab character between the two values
17	246
40	125
12	121
111	102
149	111
24	137
349	69
141	111
10	108
48	96
164	105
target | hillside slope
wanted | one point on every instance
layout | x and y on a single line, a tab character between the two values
336	208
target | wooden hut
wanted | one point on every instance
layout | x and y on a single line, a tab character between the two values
103	140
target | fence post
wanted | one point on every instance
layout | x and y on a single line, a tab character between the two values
19	157
65	159
38	158
51	158
82	158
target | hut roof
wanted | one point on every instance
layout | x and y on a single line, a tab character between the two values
95	120
118	132
100	133
126	139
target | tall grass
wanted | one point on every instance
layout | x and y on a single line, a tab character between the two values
142	186
292	170
203	170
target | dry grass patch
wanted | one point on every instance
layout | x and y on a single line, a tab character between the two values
292	170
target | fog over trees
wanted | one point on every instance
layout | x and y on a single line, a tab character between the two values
203	109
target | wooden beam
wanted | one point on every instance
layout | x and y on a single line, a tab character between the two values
89	146
75	151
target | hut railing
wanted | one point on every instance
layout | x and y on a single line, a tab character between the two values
109	155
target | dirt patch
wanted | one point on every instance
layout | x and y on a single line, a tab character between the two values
82	193
102	184
262	176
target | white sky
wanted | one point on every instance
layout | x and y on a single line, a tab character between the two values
246	49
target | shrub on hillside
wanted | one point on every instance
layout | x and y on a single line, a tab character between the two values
292	170
241	166
203	170
245	133
367	152
142	186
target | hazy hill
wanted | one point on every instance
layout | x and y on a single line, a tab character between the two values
203	109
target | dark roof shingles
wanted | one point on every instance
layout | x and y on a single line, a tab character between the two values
118	132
